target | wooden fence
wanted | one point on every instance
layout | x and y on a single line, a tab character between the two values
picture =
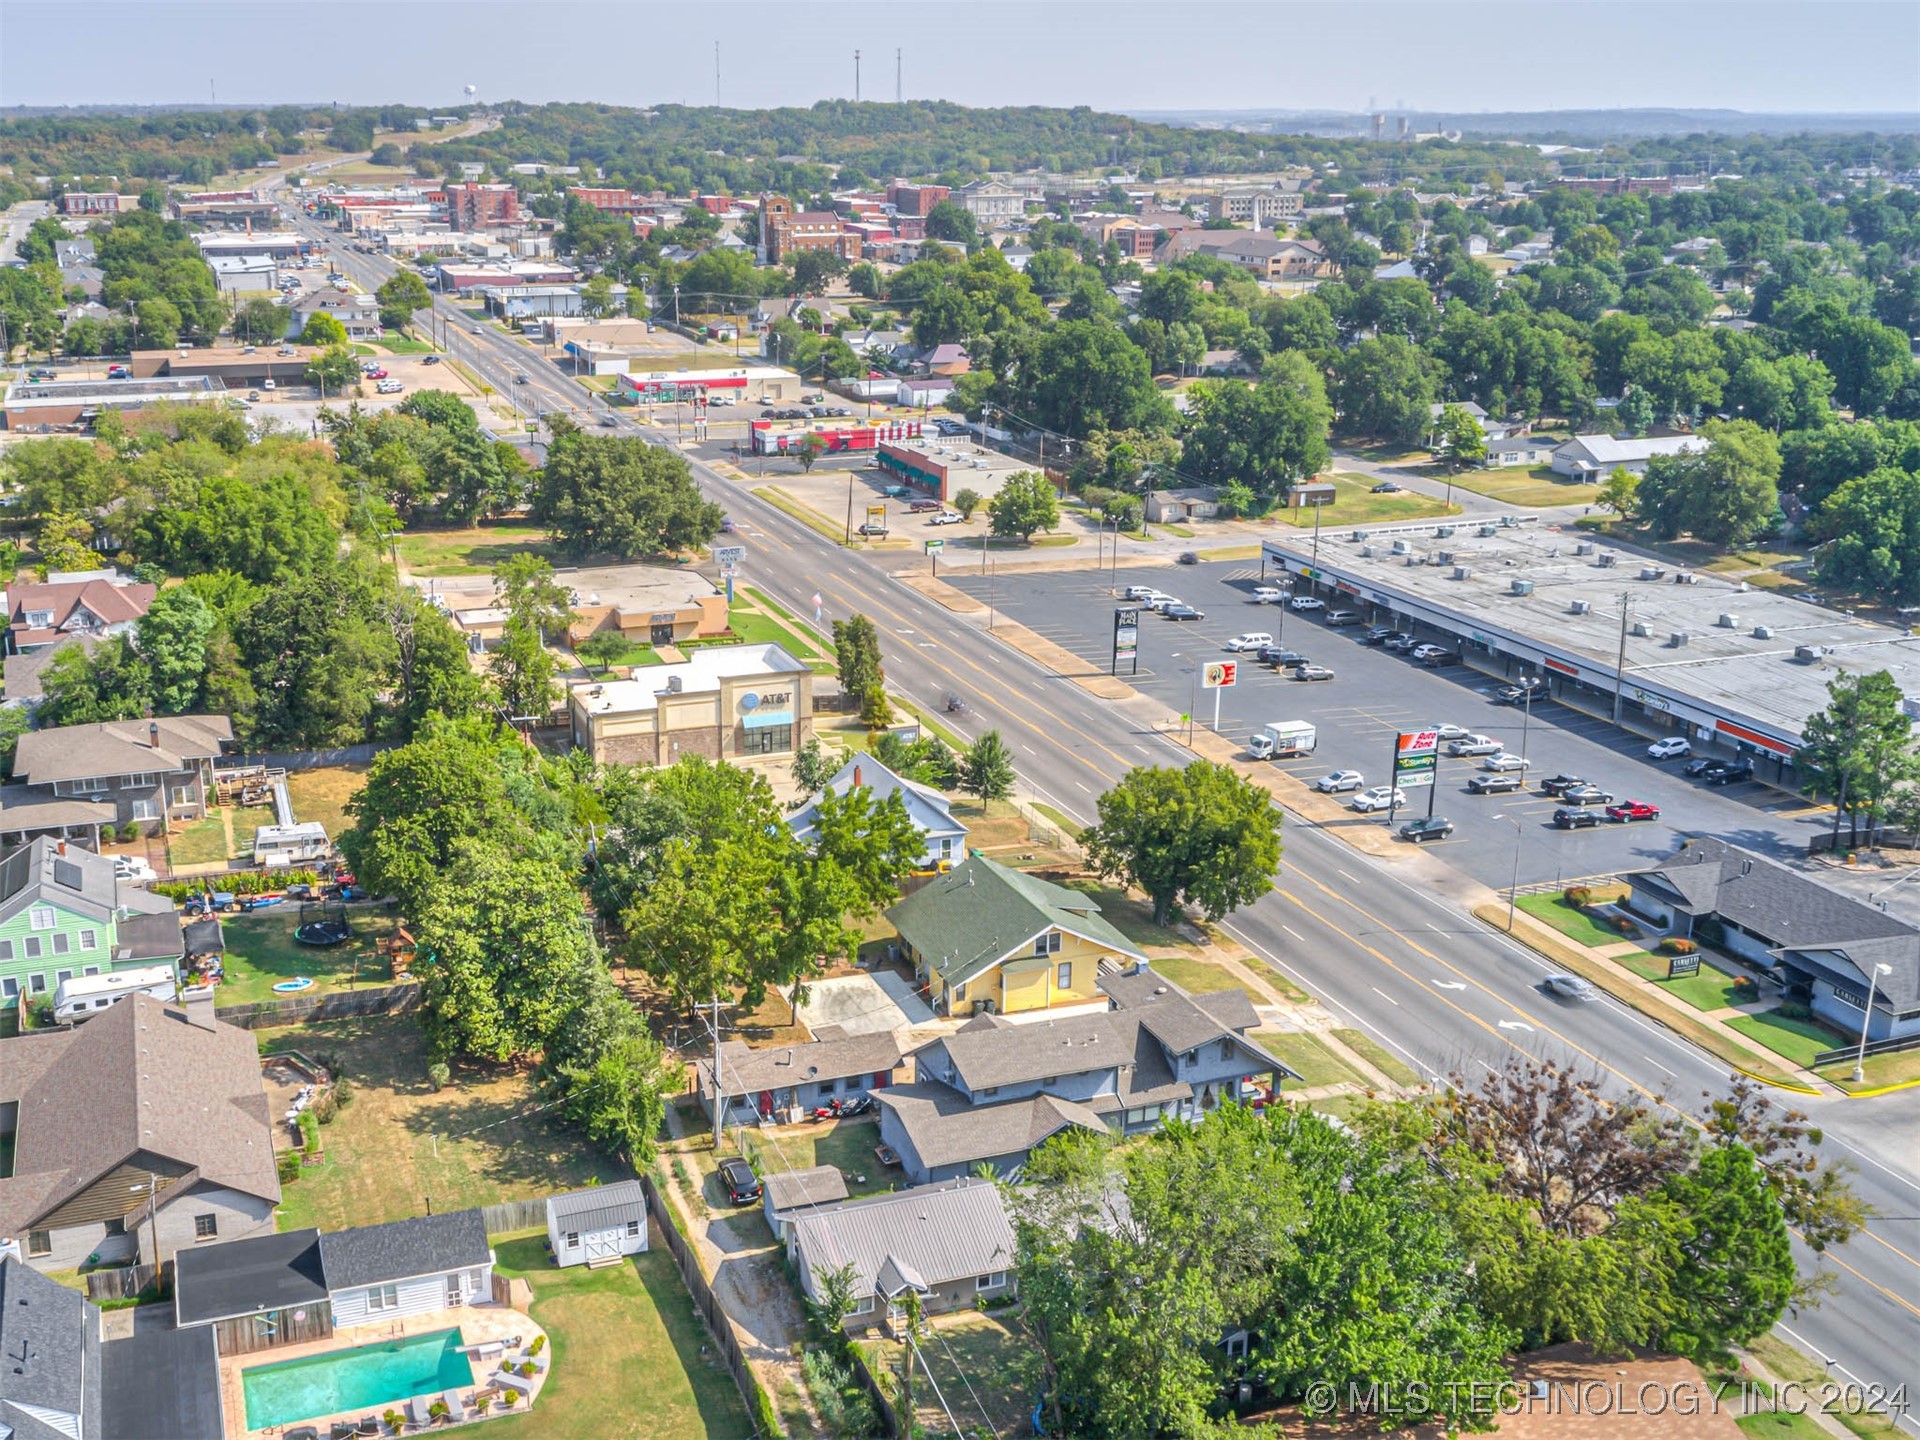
337	1005
124	1282
515	1215
271	1329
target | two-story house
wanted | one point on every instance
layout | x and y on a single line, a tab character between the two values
995	1088
139	1134
81	777
64	913
986	939
91	603
929	810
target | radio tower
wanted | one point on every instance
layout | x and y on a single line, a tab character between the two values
716	73
896	77
856	77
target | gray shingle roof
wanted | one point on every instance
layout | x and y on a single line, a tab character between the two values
247	1277
119	747
981	912
161	1385
945	1130
50	1337
929	810
934	1233
600	1207
403	1249
746	1071
797	1189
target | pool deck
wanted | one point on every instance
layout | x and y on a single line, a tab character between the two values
477	1324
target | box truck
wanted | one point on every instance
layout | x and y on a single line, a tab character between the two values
1282	740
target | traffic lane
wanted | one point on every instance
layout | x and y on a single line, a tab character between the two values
1375	694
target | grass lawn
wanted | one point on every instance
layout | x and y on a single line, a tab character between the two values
246	820
474	551
1132	918
1526	485
847	1145
1308	1058
1354	503
756	623
1200	977
1378	1056
1706	989
1899	1068
261	952
1646	966
632	1360
1571	922
322	794
1790	1364
1795	1040
203	842
1780	1425
399	1145
395	343
984	1366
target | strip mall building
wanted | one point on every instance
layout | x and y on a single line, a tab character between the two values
730	702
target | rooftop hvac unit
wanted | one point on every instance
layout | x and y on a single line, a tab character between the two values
1729	621
1763	632
1444	557
1676	638
1445	532
1685	577
1585	547
1402	547
1651	572
1488	531
675	684
1358	536
1607	561
1461	572
1640	628
1366	552
1580	607
1520	587
1808	653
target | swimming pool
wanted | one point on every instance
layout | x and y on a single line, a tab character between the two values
367	1377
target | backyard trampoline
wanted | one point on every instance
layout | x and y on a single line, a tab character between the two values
323	924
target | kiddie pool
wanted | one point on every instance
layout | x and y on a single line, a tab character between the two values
299	982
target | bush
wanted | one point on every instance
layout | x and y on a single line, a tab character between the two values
843	1405
438	1074
1578	896
1677	945
539	1344
438	1410
342	1089
510	1398
1794	1010
309	1131
1625	926
129	832
242	882
1746	988
325	1107
395	1420
287	1165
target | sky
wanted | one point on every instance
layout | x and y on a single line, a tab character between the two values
1436	56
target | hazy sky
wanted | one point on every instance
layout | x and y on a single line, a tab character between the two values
1436	55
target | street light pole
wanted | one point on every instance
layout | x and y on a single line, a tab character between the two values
1513	885
1866	1016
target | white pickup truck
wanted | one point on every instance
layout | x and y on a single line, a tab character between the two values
1282	740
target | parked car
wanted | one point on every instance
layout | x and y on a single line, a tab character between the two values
1183	612
1728	772
946	517
1586	795
1401	642
134	868
1138	592
430	360
1570	987
1251	640
1312	672
1343	617
1572	817
1475	745
1378	635
1307	602
1489	784
1268	594
1554	784
921	507
1520	694
1162	601
871	530
1629	810
1503	762
522	379
1671	748
1380	797
1420	652
1439	655
1427	827
895	492
1448	732
1387	487
1339	780
1699	767
1279	657
743	1186
1188	557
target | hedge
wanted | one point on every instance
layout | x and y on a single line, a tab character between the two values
1578	896
1677	945
241	882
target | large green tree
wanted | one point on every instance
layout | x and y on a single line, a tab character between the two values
400	296
1024	503
1858	752
1870	530
1202	835
1267	436
621	497
1725	493
1384	388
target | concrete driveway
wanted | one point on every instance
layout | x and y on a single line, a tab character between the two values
864	1004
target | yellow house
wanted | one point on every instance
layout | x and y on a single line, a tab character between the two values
985	939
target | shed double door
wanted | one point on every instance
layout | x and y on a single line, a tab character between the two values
601	1245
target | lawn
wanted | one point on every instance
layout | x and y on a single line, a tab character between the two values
984	1367
1793	1366
1705	989
847	1145
1378	1056
1199	977
1901	1067
322	794
1526	485
1311	1060
1354	503
474	551
1646	966
400	1147
1132	918
395	343
202	842
1795	1040
632	1360
1571	921
261	952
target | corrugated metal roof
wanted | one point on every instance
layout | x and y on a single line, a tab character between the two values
601	1207
937	1233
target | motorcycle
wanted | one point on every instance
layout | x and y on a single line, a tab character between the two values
955	705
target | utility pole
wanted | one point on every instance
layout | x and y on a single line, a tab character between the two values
719	1088
1620	661
896	77
856	77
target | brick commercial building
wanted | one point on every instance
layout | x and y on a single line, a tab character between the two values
915	199
785	231
730	702
473	206
610	201
98	202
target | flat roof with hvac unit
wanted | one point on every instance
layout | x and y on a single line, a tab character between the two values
1746	666
30	404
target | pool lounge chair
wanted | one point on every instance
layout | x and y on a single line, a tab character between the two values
344	1430
369	1425
456	1407
417	1412
304	1432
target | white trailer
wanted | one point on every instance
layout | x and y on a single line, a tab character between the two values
1282	740
83	995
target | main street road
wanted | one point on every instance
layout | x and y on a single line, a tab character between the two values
1388	945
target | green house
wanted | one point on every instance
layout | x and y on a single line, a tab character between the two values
63	913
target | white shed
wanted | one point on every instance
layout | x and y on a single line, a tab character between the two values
599	1225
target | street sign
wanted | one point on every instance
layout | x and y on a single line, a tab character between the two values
1220	673
729	572
729	554
1126	638
877	516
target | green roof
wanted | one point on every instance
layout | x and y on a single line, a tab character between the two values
980	913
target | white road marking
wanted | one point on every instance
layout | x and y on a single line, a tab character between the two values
1449	984
1084	788
1294	933
1383	995
1515	1025
1344	876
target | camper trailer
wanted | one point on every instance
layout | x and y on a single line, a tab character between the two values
85	995
277	847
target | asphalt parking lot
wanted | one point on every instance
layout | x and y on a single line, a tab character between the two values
1375	695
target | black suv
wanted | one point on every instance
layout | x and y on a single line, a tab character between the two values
743	1186
1555	784
1279	656
1572	817
1727	772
